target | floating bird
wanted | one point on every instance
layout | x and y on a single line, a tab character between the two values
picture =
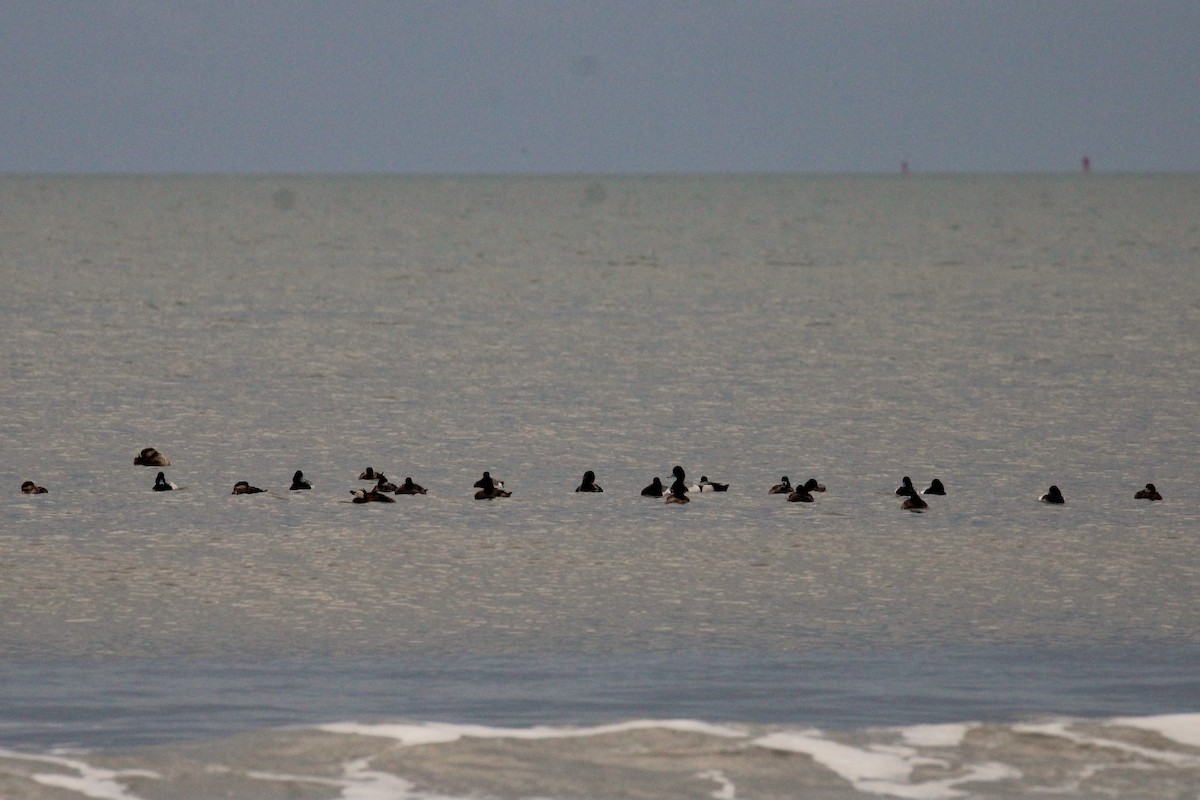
906	488
1149	493
242	487
489	489
151	458
408	487
709	486
370	496
1053	496
914	502
367	474
589	483
783	487
655	489
161	484
935	488
298	481
29	487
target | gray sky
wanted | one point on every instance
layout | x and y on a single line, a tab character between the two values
621	86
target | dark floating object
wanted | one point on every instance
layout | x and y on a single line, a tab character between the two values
711	486
161	484
1054	496
151	458
367	474
811	485
242	487
370	496
783	487
589	483
1149	493
298	481
408	487
906	488
801	494
382	484
655	489
914	502
489	489
935	488
29	487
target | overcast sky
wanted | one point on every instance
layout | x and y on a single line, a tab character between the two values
595	86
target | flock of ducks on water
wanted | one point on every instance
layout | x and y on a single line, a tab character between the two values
491	489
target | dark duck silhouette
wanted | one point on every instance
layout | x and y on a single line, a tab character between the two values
1149	493
589	483
489	489
151	458
1054	496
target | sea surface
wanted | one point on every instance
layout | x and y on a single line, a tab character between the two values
1001	333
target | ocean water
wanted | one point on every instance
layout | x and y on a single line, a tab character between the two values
1001	333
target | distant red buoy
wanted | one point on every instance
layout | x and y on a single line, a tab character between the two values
1087	165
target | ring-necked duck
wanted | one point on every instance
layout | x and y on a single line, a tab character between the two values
1149	493
906	488
811	485
370	496
161	484
298	481
382	484
935	487
29	487
408	487
655	489
367	474
243	487
709	486
783	487
589	483
489	489
1053	496
151	458
914	502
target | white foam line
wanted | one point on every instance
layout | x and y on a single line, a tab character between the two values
441	733
948	735
1060	730
360	783
1182	728
95	782
880	770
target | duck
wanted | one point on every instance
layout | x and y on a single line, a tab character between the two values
382	484
1149	493
676	498
906	488
370	496
935	487
1053	496
801	494
408	487
811	485
679	485
29	487
489	489
709	486
914	502
243	487
298	481
589	483
655	489
367	474
150	457
161	484
783	487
